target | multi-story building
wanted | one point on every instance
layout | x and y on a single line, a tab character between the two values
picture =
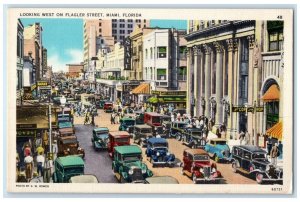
33	45
122	28
29	73
20	58
74	70
228	81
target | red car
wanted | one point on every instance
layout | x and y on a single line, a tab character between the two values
108	107
117	138
196	165
152	119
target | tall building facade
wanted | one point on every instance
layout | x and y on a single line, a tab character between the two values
20	58
33	45
231	66
44	62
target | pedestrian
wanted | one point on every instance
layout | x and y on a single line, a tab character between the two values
28	167
112	118
86	119
54	149
47	170
40	159
93	119
242	137
274	154
280	150
117	118
269	146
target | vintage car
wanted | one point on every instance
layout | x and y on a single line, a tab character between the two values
101	103
125	123
141	134
84	179
117	138
218	149
108	107
158	152
253	161
66	124
177	128
193	138
159	131
128	166
69	145
139	117
67	167
152	119
161	180
100	138
63	132
196	165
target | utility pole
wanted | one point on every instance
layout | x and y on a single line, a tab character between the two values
50	129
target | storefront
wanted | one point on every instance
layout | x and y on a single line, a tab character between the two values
141	93
127	89
176	98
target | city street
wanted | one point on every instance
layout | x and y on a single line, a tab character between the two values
99	163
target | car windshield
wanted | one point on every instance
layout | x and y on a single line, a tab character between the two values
155	119
128	122
74	170
123	140
146	130
221	142
102	135
199	157
132	157
258	156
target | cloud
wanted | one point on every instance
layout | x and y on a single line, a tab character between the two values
59	62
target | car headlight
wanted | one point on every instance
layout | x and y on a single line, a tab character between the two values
130	172
168	153
144	171
213	170
99	141
127	129
201	170
157	154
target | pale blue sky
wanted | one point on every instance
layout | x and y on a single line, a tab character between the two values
63	38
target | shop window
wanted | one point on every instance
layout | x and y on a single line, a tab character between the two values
161	74
162	52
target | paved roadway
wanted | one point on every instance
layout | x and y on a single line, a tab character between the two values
99	163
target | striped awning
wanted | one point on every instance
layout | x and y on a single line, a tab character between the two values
275	131
143	88
271	94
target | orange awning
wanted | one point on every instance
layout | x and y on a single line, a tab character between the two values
275	131
271	94
143	88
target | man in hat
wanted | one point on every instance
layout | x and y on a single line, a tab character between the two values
274	154
28	166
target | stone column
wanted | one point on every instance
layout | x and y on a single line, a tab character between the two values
207	52
219	81
188	81
230	84
234	124
197	80
250	123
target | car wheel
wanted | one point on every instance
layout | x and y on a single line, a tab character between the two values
194	178
234	167
178	136
259	178
216	158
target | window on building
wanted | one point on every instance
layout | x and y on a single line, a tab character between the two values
161	74
114	20
129	31
139	26
144	26
129	25
137	21
100	24
151	53
272	110
122	20
182	52
122	38
114	25
145	20
130	20
162	52
122	25
146	53
182	72
275	31
122	31
100	30
114	31
245	51
102	41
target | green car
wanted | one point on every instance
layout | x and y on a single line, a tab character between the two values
125	123
100	138
67	167
128	165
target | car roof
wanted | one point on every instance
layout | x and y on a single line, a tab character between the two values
84	179
70	161
68	139
195	151
128	149
162	180
153	113
157	140
252	148
119	133
143	126
101	129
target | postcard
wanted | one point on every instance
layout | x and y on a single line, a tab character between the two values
149	100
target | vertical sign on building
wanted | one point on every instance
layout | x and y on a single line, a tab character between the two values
127	53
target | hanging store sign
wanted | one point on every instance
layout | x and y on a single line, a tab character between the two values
168	93
33	87
127	54
249	109
42	83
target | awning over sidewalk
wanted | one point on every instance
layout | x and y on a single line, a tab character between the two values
143	88
272	94
275	131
